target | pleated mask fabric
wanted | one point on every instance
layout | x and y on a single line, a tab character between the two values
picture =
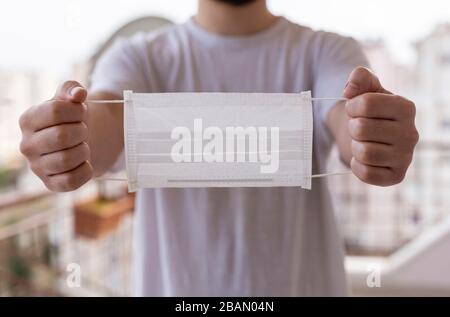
189	140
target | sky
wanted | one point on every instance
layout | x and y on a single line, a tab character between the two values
52	34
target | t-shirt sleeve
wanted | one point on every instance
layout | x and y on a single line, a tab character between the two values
120	68
335	58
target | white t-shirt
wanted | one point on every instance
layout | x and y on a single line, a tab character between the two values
237	241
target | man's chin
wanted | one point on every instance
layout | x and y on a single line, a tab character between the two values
236	2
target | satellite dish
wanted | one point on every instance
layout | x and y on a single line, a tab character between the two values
144	24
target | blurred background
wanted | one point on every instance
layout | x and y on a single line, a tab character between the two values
397	239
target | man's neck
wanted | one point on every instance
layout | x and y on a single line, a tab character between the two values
224	19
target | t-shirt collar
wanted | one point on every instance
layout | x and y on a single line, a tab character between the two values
213	39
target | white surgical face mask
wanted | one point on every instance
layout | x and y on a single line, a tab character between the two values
218	140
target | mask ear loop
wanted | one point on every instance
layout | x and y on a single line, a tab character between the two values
118	179
122	101
334	173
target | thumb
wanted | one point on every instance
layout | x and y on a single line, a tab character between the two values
71	91
362	81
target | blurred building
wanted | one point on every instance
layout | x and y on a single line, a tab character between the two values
433	65
433	155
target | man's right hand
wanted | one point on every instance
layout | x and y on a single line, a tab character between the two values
54	139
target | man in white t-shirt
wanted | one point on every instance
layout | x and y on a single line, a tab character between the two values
230	241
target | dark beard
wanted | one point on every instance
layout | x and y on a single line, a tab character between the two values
236	2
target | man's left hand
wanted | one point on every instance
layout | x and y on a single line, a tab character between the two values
382	130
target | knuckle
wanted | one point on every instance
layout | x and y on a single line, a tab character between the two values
26	148
410	108
399	100
404	158
403	105
23	121
366	102
398	176
414	136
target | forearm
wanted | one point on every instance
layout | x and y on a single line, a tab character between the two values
105	122
337	122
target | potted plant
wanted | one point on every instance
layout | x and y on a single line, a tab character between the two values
101	215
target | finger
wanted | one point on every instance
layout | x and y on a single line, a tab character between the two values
378	155
381	106
362	81
71	91
52	113
71	180
59	137
375	130
380	176
64	161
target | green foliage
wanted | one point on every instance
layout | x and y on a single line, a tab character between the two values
19	268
